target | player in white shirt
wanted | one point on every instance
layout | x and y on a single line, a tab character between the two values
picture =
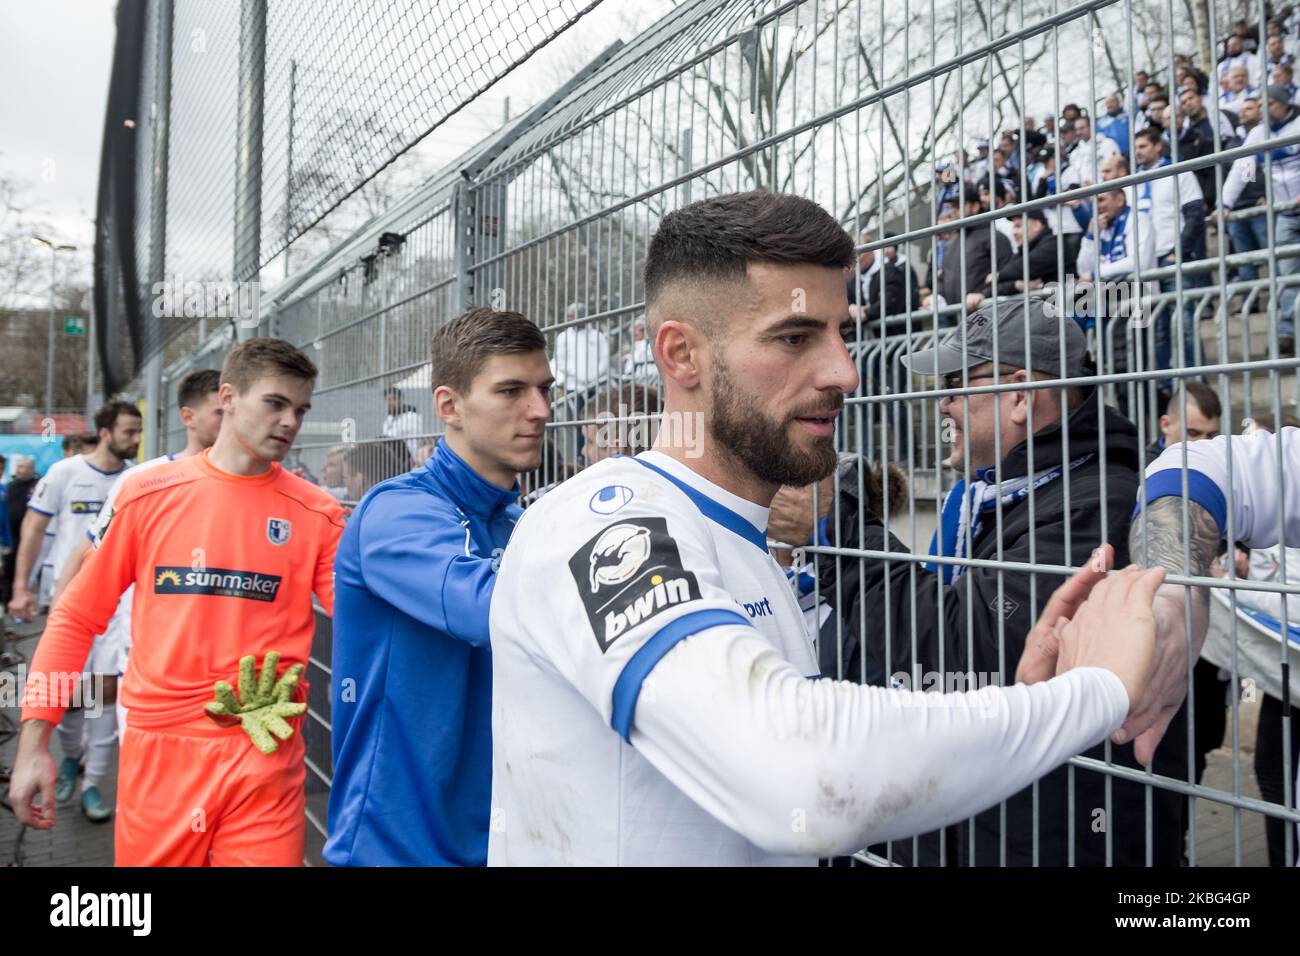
42	577
1254	480
200	413
655	691
75	490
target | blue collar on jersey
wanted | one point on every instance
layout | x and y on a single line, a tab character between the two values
121	468
473	493
715	511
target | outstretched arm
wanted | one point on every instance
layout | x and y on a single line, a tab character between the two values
1157	540
823	767
1254	476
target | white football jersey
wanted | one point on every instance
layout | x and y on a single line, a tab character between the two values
1261	480
603	577
651	700
73	492
119	628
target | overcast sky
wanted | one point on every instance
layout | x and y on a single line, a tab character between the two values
55	58
55	61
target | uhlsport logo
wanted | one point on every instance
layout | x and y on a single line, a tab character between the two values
609	499
277	530
219	582
629	573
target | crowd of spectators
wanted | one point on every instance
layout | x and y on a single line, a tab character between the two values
1183	112
1153	237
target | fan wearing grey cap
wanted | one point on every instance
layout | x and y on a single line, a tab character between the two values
1030	488
1284	168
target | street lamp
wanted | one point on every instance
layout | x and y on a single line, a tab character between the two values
49	350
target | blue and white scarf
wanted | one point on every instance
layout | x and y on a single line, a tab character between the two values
1114	238
1283	154
1144	188
968	506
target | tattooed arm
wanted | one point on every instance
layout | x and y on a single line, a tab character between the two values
1157	539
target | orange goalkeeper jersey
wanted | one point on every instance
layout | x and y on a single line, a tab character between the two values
223	565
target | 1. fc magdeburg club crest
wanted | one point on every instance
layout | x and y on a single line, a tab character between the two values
277	530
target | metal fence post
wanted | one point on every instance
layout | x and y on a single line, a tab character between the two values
466	232
90	363
153	445
248	162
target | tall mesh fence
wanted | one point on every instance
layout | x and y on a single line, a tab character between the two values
876	110
246	124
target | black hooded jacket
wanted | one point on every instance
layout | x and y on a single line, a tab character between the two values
982	244
1042	265
964	624
902	292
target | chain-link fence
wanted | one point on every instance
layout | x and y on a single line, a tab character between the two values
877	110
235	128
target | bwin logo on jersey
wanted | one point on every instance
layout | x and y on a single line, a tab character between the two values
628	574
278	530
662	594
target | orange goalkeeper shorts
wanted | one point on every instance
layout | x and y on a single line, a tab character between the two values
200	796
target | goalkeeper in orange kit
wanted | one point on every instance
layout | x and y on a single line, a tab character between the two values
226	549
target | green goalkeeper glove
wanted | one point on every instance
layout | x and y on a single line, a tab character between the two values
263	702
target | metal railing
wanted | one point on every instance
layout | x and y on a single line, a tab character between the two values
853	103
